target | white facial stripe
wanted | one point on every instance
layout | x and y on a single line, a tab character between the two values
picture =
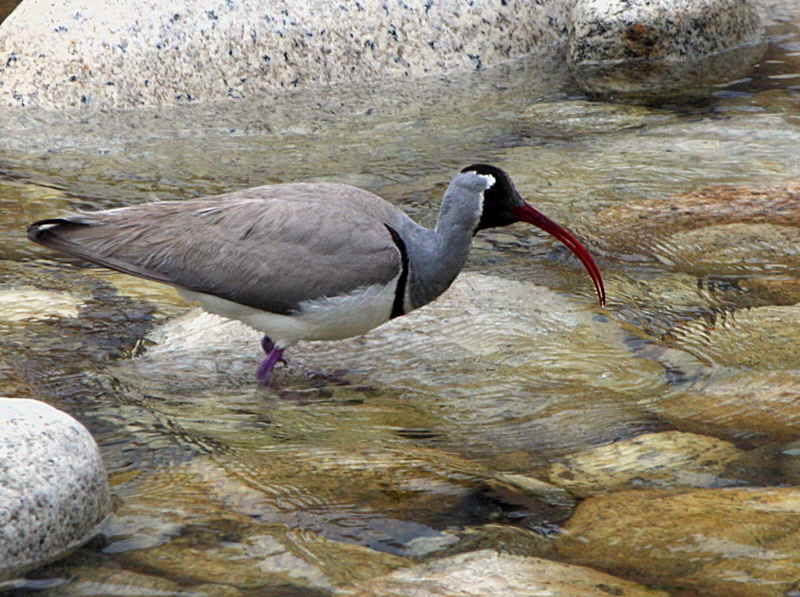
43	227
489	180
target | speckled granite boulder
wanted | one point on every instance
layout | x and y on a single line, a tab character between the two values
117	53
53	488
652	48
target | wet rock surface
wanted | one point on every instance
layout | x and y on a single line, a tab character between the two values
619	48
738	247
19	204
699	539
668	459
514	418
467	348
644	220
770	332
757	407
425	400
30	303
491	573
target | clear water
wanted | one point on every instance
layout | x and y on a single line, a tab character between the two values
217	480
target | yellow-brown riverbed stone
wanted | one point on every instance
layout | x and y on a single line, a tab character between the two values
758	406
667	459
687	539
764	338
645	218
486	572
26	303
21	204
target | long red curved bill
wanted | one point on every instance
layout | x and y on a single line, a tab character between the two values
529	214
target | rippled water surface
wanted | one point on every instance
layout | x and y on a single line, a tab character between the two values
376	452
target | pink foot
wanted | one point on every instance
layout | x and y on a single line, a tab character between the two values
274	355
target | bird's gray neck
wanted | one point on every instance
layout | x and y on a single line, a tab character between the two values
437	256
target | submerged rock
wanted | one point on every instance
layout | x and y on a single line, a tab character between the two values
646	226
756	406
20	204
26	303
508	365
53	488
669	459
739	542
736	250
262	558
488	572
653	49
765	338
272	517
93	577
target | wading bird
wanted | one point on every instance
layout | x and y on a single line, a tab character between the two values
302	261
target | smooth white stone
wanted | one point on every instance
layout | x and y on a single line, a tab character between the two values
53	487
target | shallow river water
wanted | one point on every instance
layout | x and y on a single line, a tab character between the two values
655	421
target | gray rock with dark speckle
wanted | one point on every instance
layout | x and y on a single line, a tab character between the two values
661	47
121	54
117	53
53	487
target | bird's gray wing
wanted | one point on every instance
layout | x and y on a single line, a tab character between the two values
266	252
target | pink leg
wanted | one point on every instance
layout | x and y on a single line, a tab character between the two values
264	372
274	354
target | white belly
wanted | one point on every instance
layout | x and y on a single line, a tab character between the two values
332	318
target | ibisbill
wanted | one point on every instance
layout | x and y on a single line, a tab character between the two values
302	261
